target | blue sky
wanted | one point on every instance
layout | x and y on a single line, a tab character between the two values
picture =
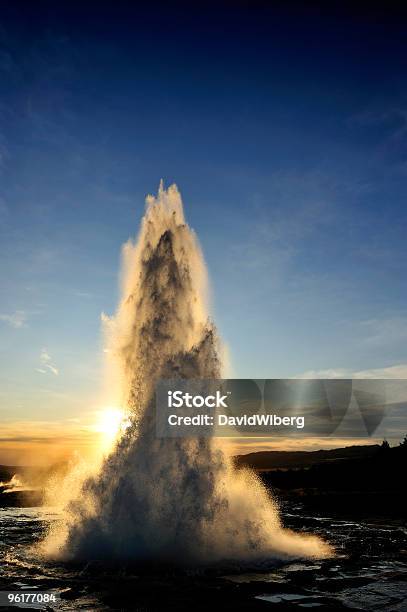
285	130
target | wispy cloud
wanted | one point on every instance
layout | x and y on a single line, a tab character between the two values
16	319
397	372
46	364
44	431
381	332
296	206
53	369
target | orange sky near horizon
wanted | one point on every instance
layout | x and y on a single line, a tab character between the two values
44	443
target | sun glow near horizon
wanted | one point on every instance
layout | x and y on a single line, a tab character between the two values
111	422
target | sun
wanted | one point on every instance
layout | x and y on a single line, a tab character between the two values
110	423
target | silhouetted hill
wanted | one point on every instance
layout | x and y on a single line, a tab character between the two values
355	481
271	460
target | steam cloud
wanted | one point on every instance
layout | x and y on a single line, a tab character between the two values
166	499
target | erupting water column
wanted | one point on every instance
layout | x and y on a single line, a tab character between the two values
173	500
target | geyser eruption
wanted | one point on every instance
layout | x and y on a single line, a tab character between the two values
179	499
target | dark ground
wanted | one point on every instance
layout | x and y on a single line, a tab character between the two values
356	502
